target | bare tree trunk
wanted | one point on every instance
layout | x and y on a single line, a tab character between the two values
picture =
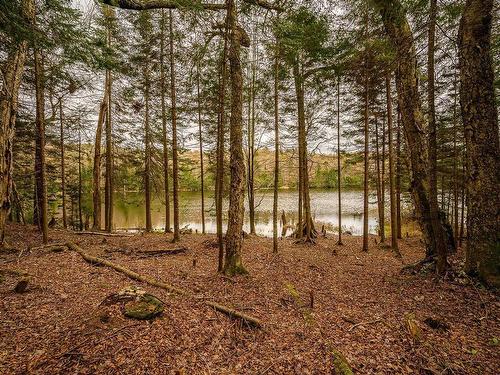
480	118
200	137
398	175
164	124
380	199
233	261
63	174
366	156
304	229
175	162
219	181
455	166
40	165
12	76
108	194
339	176
109	163
251	149
80	193
147	148
462	211
392	195
401	36
276	150
96	175
439	238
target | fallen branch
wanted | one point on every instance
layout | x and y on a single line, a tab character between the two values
106	234
159	252
234	314
364	323
53	247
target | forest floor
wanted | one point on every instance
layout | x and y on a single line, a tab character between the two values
362	304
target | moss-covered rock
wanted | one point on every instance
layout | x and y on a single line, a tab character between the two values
145	307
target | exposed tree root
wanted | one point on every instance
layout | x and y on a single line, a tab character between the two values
234	314
106	234
415	268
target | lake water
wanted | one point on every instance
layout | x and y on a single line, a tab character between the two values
129	211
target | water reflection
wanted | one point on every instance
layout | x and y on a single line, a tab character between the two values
129	211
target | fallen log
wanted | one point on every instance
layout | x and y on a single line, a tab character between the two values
106	234
234	314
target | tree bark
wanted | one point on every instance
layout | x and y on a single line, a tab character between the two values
439	239
276	150
219	181
63	174
164	124
304	229
401	36
392	194
12	75
339	173
40	164
480	119
147	146
251	148
80	188
175	162
237	37
398	174
366	156
96	175
109	162
380	196
200	137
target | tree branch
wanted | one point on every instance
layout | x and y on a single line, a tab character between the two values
312	71
264	4
158	4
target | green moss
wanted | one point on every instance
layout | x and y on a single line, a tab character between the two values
340	364
234	270
145	308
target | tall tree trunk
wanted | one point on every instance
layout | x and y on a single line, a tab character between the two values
455	165
276	150
175	162
109	163
439	238
80	192
108	188
221	121
366	156
462	211
164	124
40	165
200	137
380	198
12	76
237	37
305	219
398	174
251	148
339	175
401	36
96	175
63	174
392	193
147	148
480	118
